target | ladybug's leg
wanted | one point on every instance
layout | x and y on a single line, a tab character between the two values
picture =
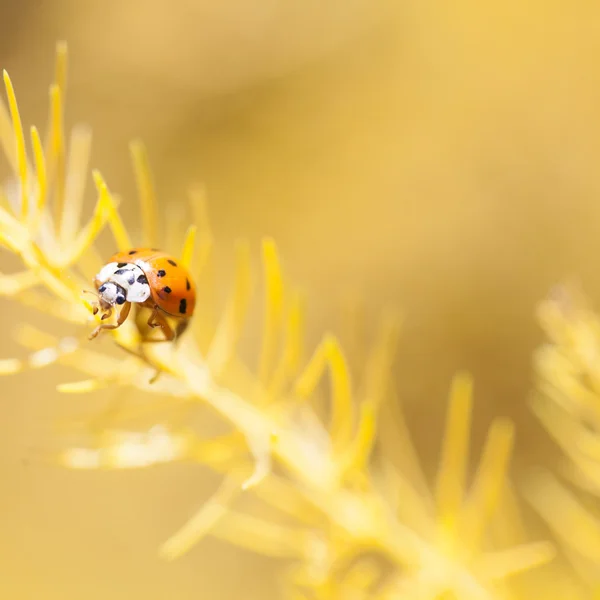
95	304
120	320
151	319
181	327
156	319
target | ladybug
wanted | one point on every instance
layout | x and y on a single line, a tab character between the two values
151	279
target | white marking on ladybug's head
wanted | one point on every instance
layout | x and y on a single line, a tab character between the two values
106	272
125	281
112	293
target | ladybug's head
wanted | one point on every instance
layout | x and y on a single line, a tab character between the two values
110	294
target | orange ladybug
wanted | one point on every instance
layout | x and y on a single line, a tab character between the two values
149	278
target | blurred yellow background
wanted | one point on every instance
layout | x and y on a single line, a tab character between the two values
441	158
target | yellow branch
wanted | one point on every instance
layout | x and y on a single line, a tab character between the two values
20	143
146	193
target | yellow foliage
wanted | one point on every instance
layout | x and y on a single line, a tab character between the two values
356	526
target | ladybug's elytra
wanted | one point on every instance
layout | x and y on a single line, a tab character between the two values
152	279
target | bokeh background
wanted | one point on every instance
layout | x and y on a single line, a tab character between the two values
438	158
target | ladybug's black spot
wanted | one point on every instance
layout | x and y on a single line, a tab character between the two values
183	306
101	288
142	279
120	299
161	273
131	280
121	265
187	284
167	289
120	271
172	262
132	251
